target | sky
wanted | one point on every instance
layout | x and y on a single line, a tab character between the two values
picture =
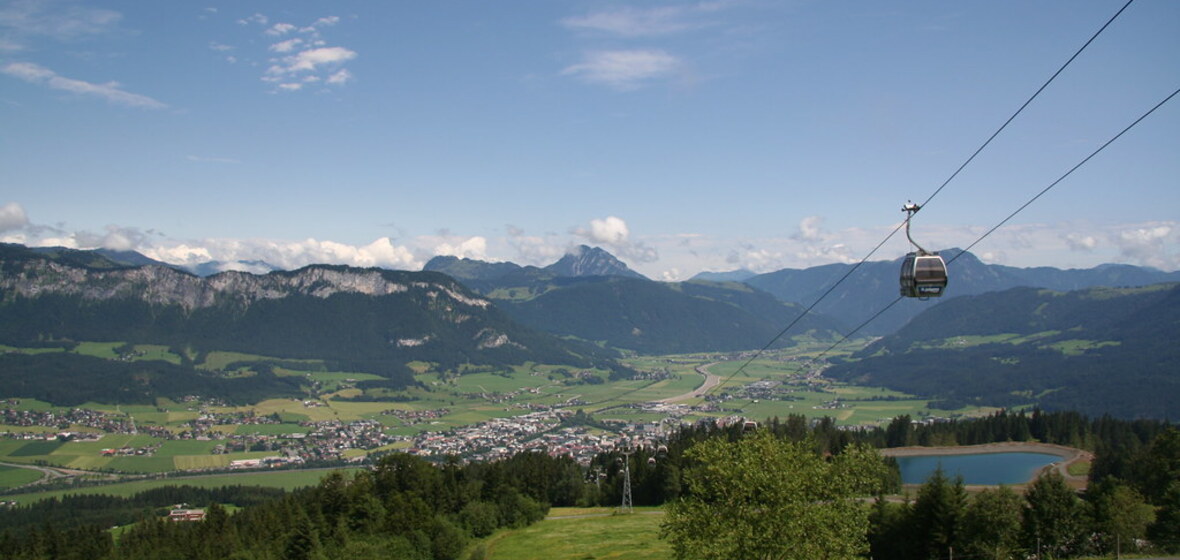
680	136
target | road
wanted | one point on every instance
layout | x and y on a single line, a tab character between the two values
50	473
711	381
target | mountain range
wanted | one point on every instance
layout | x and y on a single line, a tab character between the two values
349	319
591	295
864	290
1001	336
873	286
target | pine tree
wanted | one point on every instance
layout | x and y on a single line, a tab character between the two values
938	513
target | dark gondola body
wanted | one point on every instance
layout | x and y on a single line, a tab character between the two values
923	275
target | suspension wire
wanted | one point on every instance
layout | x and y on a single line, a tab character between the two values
850	271
1026	103
1067	174
1005	220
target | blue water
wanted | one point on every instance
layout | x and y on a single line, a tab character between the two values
982	468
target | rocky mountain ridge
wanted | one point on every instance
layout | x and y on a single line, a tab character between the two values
370	320
161	285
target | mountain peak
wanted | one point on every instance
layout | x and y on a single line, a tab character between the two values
591	261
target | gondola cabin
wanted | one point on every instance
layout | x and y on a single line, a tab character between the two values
923	275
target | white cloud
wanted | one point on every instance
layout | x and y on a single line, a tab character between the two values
181	254
219	47
284	254
624	70
609	231
444	244
247	267
612	232
670	275
809	229
256	18
1080	242
301	60
60	21
286	46
1148	245
12	216
341	76
667	257
280	29
533	249
643	22
311	60
110	91
757	259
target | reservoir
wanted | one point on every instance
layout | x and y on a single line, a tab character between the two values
990	469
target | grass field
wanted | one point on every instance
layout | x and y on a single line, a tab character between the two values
105	350
11	477
287	480
599	537
156	352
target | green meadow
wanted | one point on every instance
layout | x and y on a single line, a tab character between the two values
287	480
11	477
581	534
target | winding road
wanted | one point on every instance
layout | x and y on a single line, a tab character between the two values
710	382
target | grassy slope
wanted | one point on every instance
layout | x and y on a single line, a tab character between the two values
601	536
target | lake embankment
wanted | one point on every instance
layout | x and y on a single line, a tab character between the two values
1069	455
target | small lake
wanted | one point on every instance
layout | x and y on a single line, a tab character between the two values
991	469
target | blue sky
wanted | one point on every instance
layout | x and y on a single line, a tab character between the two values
682	137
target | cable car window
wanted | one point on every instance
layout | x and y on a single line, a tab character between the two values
929	269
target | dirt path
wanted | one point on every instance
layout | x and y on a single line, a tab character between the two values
710	382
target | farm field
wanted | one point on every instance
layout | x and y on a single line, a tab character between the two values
287	480
445	402
11	477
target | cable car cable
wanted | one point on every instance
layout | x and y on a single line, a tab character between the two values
1067	174
1026	103
1005	220
927	201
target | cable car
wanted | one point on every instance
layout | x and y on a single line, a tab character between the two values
923	274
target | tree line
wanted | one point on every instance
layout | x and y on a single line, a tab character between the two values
407	507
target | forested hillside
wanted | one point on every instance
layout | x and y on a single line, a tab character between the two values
664	318
362	320
593	297
1097	351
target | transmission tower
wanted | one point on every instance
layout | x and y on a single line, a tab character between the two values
626	507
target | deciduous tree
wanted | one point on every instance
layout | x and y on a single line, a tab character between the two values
762	497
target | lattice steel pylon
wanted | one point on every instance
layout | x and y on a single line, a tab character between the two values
626	506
